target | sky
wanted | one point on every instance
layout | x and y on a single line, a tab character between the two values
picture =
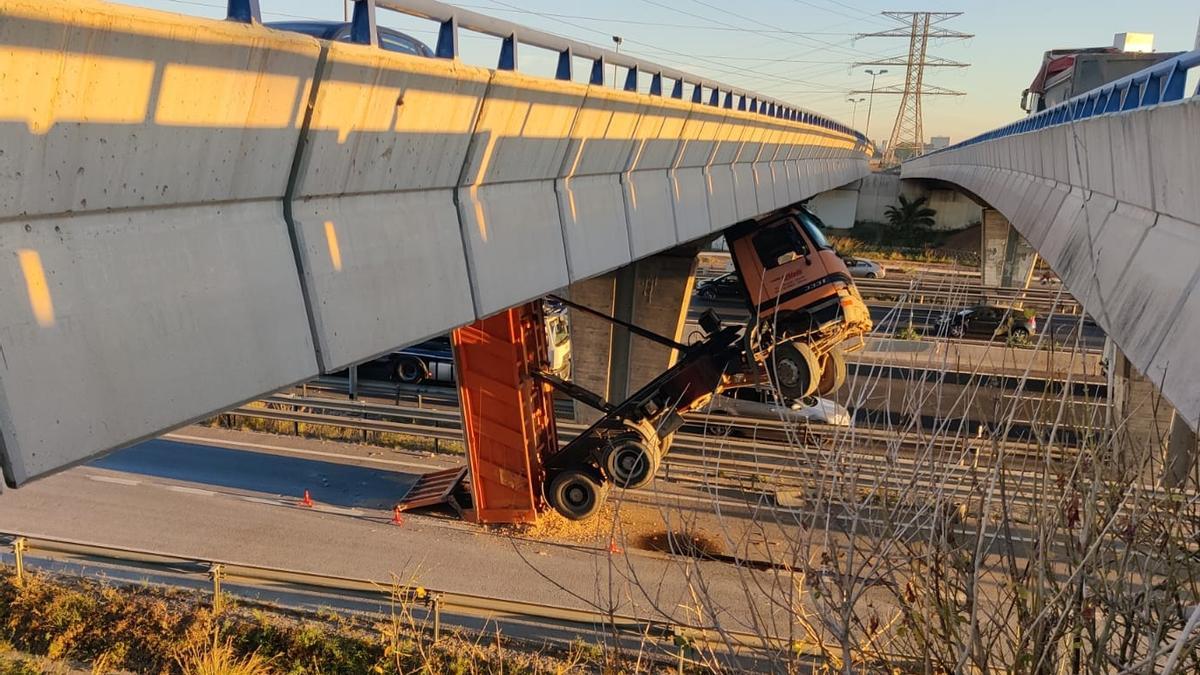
803	51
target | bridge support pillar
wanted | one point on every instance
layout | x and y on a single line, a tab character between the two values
1182	450
653	293
1005	258
1138	413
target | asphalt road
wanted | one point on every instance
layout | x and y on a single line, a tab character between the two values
237	501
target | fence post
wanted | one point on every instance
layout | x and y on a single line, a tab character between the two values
216	572
19	545
437	616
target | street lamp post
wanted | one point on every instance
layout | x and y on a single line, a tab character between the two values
854	111
871	100
617	41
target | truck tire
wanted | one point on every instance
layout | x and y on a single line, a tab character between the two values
576	494
793	369
630	460
409	370
833	372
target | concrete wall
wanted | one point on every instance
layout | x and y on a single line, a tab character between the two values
198	212
836	208
1110	203
878	191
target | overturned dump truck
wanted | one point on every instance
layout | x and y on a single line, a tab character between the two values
805	315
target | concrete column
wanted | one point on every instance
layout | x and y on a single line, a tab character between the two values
1181	453
653	293
1005	258
591	338
1137	411
661	293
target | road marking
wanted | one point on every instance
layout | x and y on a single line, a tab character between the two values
113	479
300	451
336	510
190	490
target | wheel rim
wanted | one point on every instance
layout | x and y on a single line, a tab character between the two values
576	496
408	371
788	372
629	464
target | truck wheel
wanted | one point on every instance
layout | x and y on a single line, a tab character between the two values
833	372
631	461
576	495
409	371
793	368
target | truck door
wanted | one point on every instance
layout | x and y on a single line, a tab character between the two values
811	226
787	262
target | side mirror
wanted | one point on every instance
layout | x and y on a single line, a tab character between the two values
807	259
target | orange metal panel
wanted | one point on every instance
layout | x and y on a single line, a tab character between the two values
508	416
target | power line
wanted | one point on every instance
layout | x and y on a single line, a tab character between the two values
715	65
656	24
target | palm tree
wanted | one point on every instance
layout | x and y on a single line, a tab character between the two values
910	215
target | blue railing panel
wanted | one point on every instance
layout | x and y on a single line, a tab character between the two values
1160	83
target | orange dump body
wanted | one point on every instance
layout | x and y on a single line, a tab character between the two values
508	415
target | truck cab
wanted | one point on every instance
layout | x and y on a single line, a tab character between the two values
806	312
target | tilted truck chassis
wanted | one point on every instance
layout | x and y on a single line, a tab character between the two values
627	445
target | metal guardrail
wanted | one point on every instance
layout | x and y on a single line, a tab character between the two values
677	637
957	294
1162	82
756	462
453	19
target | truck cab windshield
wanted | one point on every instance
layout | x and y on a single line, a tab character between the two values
812	227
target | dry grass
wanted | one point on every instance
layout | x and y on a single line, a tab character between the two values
220	658
150	630
328	432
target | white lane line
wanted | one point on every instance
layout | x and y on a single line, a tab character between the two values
113	479
265	500
189	490
299	451
336	510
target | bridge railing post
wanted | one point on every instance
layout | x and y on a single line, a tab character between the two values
243	11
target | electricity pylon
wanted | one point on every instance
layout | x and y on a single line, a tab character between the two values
908	134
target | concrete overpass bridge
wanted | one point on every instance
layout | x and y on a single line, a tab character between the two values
1106	187
194	213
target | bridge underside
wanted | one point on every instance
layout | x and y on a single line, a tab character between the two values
1112	205
194	213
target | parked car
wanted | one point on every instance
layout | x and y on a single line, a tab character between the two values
432	361
748	404
861	267
725	287
389	39
988	322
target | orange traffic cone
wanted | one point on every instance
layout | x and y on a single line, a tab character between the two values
307	501
613	548
397	518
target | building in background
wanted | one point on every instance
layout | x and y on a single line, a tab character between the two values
937	143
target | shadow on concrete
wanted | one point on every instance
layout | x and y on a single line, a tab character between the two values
328	482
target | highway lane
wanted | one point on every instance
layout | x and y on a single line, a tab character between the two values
215	500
